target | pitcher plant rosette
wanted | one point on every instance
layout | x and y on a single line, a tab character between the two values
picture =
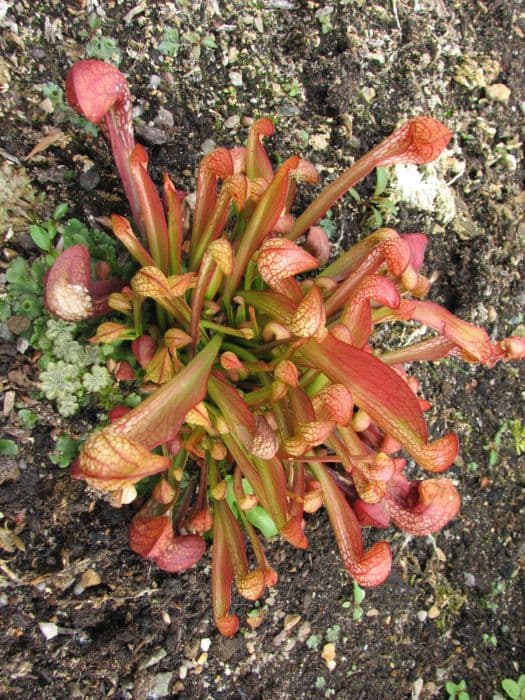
264	391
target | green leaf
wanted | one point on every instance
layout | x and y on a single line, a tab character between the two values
359	593
41	237
313	641
65	451
381	181
260	519
329	227
60	212
27	417
209	42
358	613
511	688
8	448
169	44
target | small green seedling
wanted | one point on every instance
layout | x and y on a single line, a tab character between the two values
514	689
8	448
27	418
359	596
457	691
170	42
105	48
490	640
65	451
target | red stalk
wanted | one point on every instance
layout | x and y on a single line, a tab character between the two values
152	209
369	568
419	140
235	189
221	583
123	231
250	584
216	165
257	161
99	92
173	199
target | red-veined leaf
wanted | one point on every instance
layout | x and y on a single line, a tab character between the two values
158	418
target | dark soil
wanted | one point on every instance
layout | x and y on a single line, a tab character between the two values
451	609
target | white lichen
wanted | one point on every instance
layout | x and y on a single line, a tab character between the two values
426	191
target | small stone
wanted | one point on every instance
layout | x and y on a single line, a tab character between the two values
235	78
154	81
422	615
166	619
417	687
470	662
290	621
373	612
232	122
433	612
470	579
304	631
3	600
48	629
46	106
159	687
492	314
328	653
164	119
208	146
484	483
88	181
205	644
90	578
279	638
290	643
22	344
152	135
18	324
183	672
498	92
368	94
9	403
153	659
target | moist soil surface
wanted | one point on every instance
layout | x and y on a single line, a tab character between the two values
337	77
